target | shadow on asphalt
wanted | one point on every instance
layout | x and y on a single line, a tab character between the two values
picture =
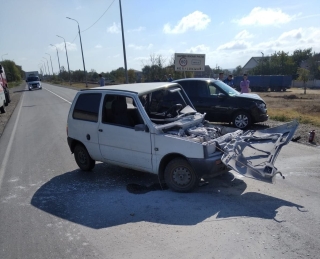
101	199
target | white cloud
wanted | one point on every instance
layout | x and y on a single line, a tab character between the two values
61	47
196	21
137	47
234	45
293	34
265	16
137	29
115	28
243	35
98	46
198	49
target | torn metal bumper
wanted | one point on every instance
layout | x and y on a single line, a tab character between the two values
254	153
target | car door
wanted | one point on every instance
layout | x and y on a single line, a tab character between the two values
206	99
119	142
254	153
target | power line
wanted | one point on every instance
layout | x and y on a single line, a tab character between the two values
94	22
99	17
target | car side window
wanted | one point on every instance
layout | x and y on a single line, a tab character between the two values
190	89
87	107
213	90
121	111
202	88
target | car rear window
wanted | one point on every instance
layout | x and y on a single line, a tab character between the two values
87	107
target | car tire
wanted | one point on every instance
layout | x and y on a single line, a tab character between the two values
3	109
7	94
241	120
180	176
83	159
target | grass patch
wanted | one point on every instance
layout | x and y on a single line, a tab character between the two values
288	114
14	84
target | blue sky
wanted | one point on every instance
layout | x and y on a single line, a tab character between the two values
228	32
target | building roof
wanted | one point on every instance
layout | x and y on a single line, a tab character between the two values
256	59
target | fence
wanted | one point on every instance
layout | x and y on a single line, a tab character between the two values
313	84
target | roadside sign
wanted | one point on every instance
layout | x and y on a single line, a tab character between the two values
189	62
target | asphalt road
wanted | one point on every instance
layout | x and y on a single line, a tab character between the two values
50	209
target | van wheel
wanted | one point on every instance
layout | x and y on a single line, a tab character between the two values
241	120
180	176
83	159
3	109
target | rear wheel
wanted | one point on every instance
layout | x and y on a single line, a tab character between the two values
180	176
83	159
3	109
241	120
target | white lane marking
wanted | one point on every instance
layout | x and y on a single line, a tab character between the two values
13	133
57	95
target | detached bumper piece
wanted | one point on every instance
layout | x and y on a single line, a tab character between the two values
254	153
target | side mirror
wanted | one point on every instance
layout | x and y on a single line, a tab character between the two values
141	127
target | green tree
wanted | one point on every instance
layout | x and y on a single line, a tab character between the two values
131	76
304	77
237	71
13	72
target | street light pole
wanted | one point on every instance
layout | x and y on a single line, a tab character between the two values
51	63
84	67
44	65
3	55
58	57
65	46
124	45
47	65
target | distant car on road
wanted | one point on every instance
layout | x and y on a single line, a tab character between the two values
222	103
34	82
153	127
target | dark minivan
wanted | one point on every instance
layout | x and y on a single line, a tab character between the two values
221	103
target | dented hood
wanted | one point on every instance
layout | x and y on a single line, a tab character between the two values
254	153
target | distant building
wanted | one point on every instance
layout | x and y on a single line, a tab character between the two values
252	63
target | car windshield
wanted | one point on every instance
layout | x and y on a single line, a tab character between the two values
229	90
33	78
166	104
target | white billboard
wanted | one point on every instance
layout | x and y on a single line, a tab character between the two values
189	62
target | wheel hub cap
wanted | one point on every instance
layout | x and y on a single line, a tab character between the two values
181	176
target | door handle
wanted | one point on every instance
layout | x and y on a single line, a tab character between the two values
100	130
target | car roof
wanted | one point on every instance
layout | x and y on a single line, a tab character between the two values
195	79
138	88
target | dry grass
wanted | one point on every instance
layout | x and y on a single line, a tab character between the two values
294	104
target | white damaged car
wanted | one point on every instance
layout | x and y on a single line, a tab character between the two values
153	127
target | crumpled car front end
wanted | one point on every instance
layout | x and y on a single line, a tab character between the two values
254	152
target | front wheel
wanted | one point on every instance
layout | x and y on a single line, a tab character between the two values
180	176
3	109
83	159
241	120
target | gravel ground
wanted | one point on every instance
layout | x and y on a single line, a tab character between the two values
302	131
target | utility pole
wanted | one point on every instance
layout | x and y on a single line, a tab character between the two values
124	45
65	46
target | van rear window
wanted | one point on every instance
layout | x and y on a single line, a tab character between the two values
87	107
